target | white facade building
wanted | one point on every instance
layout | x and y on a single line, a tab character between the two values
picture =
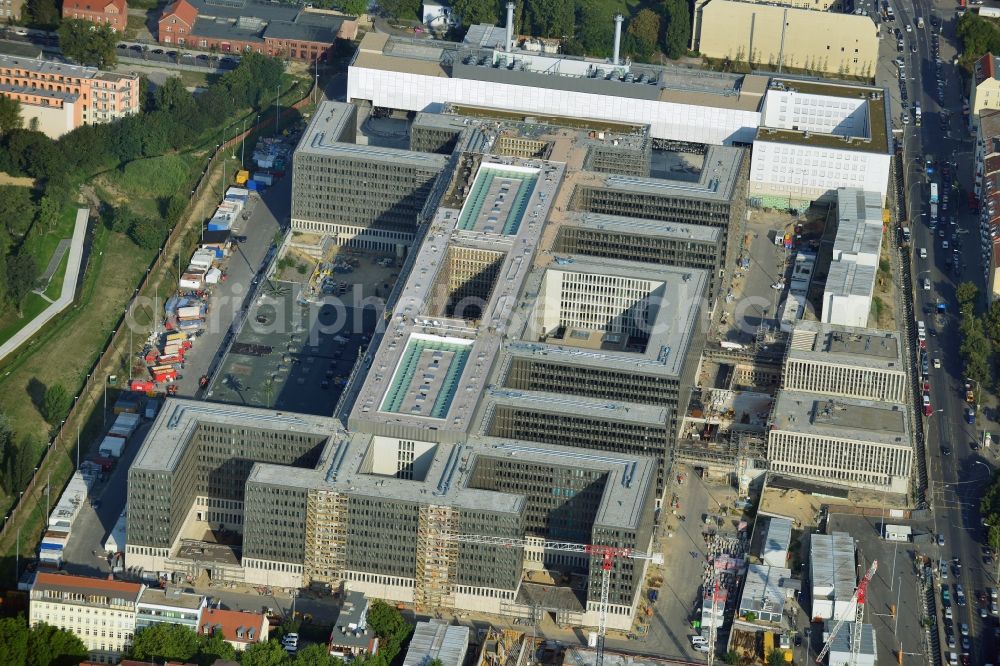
815	138
100	612
845	361
843	442
850	284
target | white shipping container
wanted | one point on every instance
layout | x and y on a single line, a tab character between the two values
112	446
128	420
202	259
115	543
189	312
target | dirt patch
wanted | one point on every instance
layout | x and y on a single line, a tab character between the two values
17	181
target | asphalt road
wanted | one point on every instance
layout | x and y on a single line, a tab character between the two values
957	479
268	213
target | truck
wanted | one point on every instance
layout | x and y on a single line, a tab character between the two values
934	214
242	176
920	21
112	446
916	114
934	190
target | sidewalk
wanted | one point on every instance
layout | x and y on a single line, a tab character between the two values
68	288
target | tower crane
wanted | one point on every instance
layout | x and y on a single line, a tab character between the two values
608	555
859	614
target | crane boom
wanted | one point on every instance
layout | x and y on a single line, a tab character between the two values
608	554
859	602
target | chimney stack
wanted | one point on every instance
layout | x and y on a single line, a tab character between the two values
618	38
509	44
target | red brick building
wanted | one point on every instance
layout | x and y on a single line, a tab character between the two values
284	31
103	12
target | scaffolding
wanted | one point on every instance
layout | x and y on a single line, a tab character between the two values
436	557
326	534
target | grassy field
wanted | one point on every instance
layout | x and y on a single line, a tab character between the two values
56	283
41	245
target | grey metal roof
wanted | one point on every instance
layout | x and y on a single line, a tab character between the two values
437	640
40	92
778	539
224	29
841	645
763	591
175	597
234	9
832	565
48	67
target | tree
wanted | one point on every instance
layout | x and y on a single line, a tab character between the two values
174	209
173	96
549	18
645	28
776	658
388	624
16	210
214	648
992	323
966	292
20	466
731	657
49	646
354	7
8	451
472	12
119	219
265	654
595	20
164	642
10	114
49	211
13	640
87	43
146	233
42	14
678	34
401	8
315	654
22	275
56	404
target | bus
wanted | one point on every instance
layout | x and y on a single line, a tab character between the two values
934	193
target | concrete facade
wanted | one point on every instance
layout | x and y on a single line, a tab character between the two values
769	35
850	283
81	95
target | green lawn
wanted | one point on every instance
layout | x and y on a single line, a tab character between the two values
33	305
54	290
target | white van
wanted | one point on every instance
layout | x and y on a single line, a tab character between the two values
697	640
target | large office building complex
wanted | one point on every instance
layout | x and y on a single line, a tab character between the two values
526	385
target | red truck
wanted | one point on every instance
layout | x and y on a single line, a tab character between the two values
142	385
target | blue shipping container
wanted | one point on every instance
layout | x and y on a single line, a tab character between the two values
51	546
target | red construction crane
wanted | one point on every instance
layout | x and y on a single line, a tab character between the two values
608	555
859	614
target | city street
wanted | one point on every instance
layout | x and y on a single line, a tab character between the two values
956	472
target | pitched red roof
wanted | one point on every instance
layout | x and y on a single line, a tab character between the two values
95	5
82	582
183	10
231	623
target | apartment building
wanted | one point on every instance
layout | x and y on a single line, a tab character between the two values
786	38
846	362
101	613
850	282
58	98
985	86
988	193
281	30
157	606
841	441
238	628
112	13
